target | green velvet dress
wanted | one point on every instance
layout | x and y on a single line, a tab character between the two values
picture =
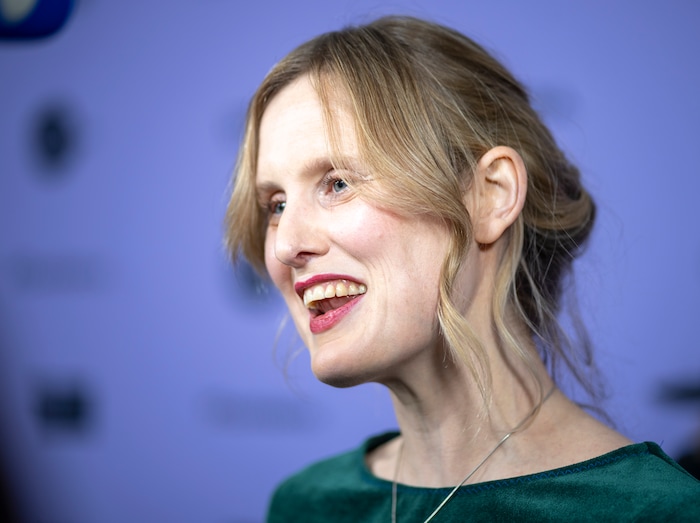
635	483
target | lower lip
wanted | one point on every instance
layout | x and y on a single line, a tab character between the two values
322	323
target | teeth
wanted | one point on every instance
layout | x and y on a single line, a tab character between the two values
341	289
336	289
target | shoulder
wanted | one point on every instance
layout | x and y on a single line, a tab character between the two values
332	484
638	482
661	486
646	467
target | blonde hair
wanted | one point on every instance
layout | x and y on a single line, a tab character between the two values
427	103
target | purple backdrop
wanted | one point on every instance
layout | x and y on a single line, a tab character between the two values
138	379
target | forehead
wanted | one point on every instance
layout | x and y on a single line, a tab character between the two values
294	131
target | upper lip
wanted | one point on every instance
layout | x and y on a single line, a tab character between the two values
301	286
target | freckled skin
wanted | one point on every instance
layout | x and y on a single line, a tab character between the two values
323	228
317	226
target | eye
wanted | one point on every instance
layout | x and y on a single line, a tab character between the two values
339	185
274	207
335	188
277	207
334	183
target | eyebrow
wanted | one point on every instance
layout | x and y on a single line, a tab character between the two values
262	190
310	167
265	188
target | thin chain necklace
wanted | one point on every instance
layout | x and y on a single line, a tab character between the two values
394	495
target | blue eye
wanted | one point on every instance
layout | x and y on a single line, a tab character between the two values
339	185
277	207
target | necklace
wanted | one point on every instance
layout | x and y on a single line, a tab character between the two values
394	494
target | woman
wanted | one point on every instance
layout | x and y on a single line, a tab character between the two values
419	219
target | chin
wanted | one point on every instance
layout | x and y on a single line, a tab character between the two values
339	370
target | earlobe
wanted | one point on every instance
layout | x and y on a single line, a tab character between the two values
497	195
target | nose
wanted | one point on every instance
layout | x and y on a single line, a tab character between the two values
300	236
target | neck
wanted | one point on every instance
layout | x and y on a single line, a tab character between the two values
446	426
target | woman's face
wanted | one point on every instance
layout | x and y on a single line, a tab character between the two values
360	282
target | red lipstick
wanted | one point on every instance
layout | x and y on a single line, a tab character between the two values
300	286
322	322
326	321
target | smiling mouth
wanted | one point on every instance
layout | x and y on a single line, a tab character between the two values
327	296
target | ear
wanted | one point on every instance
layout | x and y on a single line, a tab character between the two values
497	194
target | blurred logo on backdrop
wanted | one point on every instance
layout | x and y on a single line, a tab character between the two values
54	138
29	19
